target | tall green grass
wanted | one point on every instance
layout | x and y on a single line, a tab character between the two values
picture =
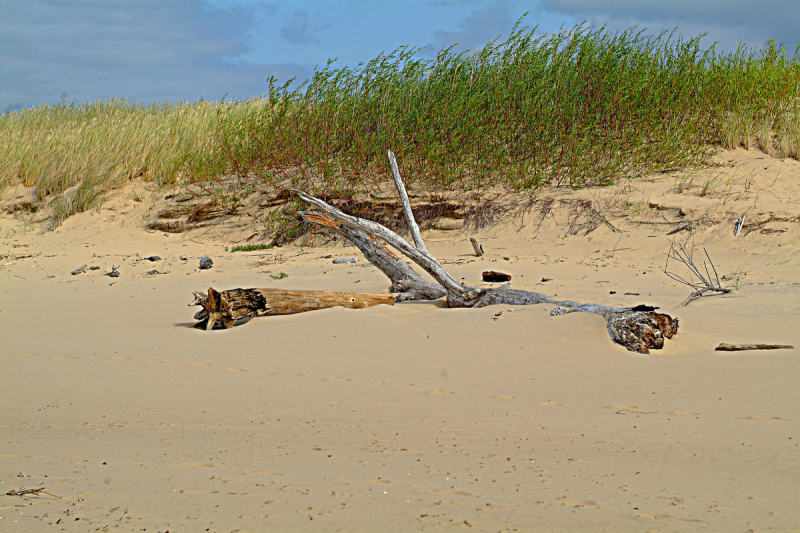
579	107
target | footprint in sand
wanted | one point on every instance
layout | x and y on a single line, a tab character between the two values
506	397
285	375
197	364
263	473
765	418
446	492
438	392
629	410
236	369
634	412
116	358
336	379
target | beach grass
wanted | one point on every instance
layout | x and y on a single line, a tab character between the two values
579	107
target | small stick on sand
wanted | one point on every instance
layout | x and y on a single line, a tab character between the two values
741	347
25	492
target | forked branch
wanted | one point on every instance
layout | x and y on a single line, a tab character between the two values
706	283
637	328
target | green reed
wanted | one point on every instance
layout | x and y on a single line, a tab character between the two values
578	107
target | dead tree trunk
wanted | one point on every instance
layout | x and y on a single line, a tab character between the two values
637	328
226	307
406	282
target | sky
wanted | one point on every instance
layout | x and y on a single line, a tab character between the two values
184	50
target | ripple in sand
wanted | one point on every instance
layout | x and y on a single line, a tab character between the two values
502	397
336	379
285	375
438	392
765	418
197	364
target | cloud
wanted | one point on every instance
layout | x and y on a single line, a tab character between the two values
148	50
727	22
302	28
473	31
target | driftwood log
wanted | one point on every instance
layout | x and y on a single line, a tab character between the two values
638	328
226	307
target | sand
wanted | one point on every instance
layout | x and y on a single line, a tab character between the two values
411	417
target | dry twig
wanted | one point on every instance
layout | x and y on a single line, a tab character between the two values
27	492
706	283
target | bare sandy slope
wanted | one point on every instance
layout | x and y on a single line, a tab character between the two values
411	417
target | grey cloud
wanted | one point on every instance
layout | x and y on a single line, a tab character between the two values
303	27
475	30
148	50
725	21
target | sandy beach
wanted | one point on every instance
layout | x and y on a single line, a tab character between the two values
409	417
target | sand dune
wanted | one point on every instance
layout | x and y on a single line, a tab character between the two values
411	417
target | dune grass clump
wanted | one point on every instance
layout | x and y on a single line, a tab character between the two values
579	107
74	154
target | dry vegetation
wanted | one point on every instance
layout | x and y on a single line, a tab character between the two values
577	108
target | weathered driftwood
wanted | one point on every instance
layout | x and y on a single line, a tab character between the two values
226	307
401	190
638	328
406	282
706	284
741	347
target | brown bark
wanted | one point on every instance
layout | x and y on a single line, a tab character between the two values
226	307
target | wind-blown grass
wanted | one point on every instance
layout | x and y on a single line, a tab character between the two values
580	107
74	154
